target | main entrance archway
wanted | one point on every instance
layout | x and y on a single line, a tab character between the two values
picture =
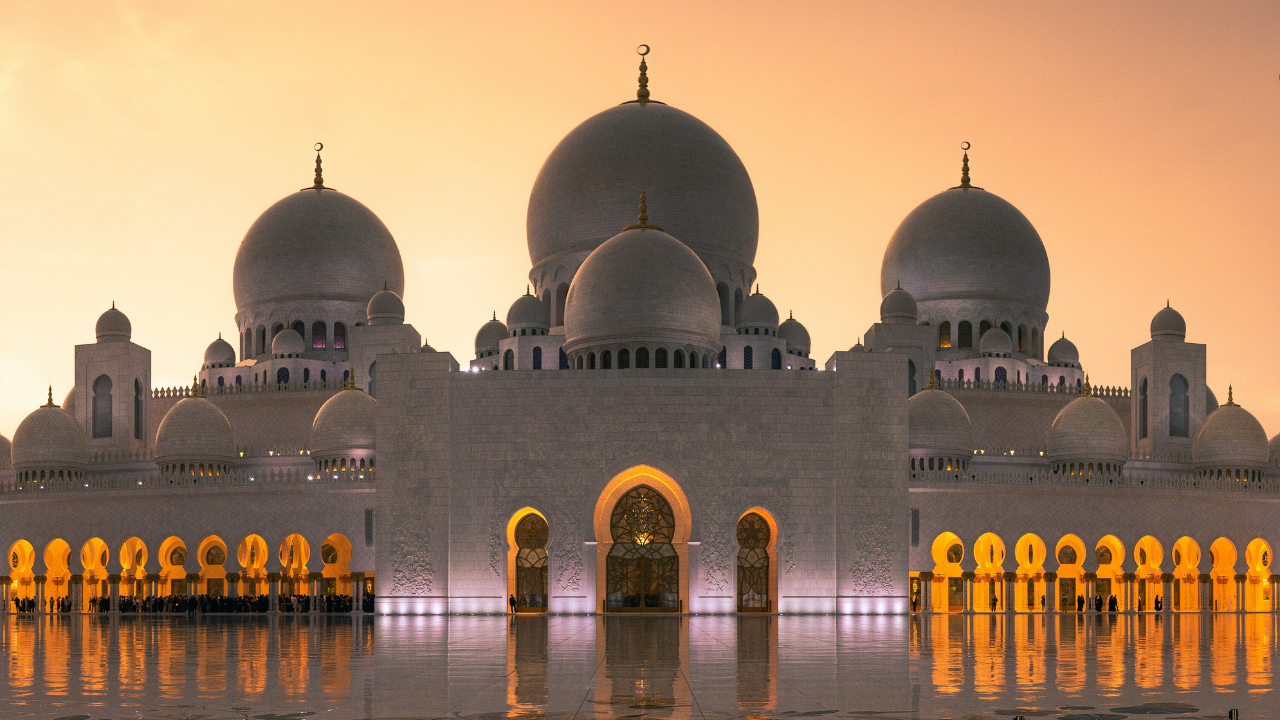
642	529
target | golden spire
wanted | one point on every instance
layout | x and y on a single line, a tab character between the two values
195	387
642	94
791	314
757	292
932	374
643	222
50	402
319	181
384	285
526	289
1086	391
495	316
964	169
351	380
1230	397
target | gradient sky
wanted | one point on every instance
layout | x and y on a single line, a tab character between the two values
138	142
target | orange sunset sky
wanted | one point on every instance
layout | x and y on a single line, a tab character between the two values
138	142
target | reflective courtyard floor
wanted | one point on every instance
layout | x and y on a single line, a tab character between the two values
1070	667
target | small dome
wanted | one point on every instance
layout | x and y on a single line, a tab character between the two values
1210	401
995	342
489	335
335	249
1088	430
6	456
69	402
345	423
220	354
195	430
938	423
385	308
1063	351
642	285
287	342
50	440
1168	325
113	326
898	308
758	311
1230	438
796	335
968	244
528	312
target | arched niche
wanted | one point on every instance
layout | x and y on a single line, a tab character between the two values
614	491
528	562
757	540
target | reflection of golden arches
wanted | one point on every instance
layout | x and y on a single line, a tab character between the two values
620	485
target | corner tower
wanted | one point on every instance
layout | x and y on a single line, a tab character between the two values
1169	393
112	394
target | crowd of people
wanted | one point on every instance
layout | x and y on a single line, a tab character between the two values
203	604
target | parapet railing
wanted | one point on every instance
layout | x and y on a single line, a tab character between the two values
1036	454
118	457
1104	391
1152	480
269	478
250	388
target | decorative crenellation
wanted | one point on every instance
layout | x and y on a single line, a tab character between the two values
1147	480
153	481
1104	391
250	389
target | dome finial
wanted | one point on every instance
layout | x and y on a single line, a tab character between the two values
1086	391
791	314
1230	398
384	285
642	223
50	402
526	289
113	304
964	169
195	387
642	94
319	182
495	316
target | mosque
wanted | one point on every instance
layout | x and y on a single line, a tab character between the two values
643	432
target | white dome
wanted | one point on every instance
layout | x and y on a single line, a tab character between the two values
528	312
642	285
967	244
315	246
1088	430
69	402
586	188
938	424
50	440
195	430
1168	325
898	308
220	354
344	423
796	335
1230	438
385	308
287	342
489	335
995	342
758	311
113	326
1063	351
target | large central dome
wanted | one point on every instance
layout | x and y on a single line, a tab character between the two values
316	245
695	182
967	244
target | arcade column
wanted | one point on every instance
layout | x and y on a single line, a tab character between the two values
113	582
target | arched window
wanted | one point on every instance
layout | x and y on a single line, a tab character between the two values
275	330
966	334
509	360
1007	328
1179	407
1035	341
642	569
983	327
562	293
579	362
642	357
300	328
591	361
726	307
373	379
537	358
660	358
1022	339
937	376
911	377
606	360
346	376
531	563
339	336
221	383
323	376
1142	409
102	407
1062	380
1044	380
724	357
282	376
319	336
262	340
753	564
944	335
139	403
1002	376
777	359
678	359
977	374
564	360
306	375
960	375
747	357
624	359
737	307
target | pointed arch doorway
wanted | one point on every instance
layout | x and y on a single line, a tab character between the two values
642	526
